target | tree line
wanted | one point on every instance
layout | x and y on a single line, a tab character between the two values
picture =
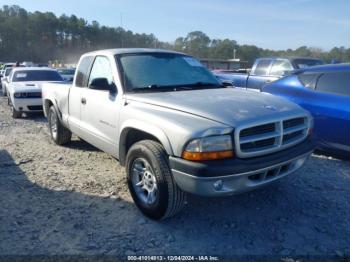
42	37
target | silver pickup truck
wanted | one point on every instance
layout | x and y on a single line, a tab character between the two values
175	128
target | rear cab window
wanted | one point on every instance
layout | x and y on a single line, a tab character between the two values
262	67
337	83
301	63
309	80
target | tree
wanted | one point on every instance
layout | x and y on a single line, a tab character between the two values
42	36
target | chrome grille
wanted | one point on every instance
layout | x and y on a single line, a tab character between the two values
265	138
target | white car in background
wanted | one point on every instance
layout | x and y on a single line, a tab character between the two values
24	88
67	73
5	80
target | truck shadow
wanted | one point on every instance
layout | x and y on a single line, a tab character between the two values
300	215
36	117
80	144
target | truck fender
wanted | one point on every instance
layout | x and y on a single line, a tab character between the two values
47	104
144	127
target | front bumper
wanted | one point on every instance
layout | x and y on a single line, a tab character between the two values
233	176
28	104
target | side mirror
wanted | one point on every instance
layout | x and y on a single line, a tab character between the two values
102	84
227	84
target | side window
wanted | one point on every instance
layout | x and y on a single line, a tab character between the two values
101	69
262	67
308	80
83	71
335	83
279	67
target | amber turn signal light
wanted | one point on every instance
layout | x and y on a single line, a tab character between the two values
201	156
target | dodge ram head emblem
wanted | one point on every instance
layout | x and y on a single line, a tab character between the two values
272	108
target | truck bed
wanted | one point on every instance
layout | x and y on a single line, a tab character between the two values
57	92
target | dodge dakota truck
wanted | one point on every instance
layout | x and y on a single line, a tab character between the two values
175	128
267	70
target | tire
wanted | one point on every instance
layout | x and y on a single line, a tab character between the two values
4	92
169	199
14	112
59	134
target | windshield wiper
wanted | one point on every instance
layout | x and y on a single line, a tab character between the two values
163	88
166	88
201	85
150	87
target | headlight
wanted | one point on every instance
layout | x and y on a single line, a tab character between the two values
209	148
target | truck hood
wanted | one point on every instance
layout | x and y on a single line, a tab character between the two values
228	106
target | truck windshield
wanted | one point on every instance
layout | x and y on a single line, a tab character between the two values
163	72
36	75
302	63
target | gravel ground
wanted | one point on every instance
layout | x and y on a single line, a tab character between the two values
74	200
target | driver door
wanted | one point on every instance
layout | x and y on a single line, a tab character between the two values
100	108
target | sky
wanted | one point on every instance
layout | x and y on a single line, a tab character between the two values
273	24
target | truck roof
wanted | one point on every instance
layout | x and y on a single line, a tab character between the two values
118	51
326	68
290	57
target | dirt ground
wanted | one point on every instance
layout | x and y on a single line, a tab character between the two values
74	200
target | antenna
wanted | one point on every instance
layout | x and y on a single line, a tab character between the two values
122	31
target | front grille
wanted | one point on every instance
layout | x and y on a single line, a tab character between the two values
35	108
293	122
256	130
290	137
28	95
270	137
258	144
34	95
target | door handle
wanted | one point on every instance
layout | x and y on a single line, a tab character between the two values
83	100
268	81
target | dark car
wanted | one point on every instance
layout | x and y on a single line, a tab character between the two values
325	92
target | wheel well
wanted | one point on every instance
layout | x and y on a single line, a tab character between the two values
47	106
133	136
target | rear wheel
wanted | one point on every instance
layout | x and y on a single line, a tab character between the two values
150	181
59	134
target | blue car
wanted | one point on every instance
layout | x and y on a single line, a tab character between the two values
325	92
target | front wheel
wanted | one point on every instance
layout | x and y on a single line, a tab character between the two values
14	112
59	134
150	181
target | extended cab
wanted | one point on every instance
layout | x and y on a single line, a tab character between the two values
267	70
175	128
